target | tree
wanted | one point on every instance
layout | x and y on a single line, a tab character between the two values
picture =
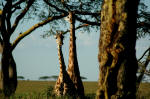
8	25
86	12
54	77
75	15
142	67
143	20
9	78
13	12
117	59
83	78
143	30
44	77
20	77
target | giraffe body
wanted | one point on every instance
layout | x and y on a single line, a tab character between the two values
64	85
73	68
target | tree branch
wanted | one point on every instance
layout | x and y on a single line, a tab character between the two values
87	22
141	24
142	72
17	3
76	11
147	72
30	2
143	54
21	36
9	14
86	13
83	25
3	18
60	10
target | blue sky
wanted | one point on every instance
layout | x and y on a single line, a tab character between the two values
37	57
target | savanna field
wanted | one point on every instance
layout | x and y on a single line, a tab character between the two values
43	90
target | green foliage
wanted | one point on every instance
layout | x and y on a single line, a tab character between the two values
44	77
57	7
83	78
143	20
54	77
20	77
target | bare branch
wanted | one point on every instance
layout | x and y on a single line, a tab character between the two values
143	54
30	2
143	69
83	25
17	3
21	36
3	18
147	72
141	24
65	32
9	14
87	13
60	10
65	5
76	11
87	22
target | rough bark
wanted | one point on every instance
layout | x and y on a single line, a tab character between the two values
8	79
73	68
117	59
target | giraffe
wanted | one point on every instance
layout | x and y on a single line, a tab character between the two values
73	68
64	85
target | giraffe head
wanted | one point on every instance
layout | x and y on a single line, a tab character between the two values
68	18
59	39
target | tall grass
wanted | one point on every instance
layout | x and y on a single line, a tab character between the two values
46	94
44	90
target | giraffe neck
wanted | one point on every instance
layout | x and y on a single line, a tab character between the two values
72	47
61	59
73	68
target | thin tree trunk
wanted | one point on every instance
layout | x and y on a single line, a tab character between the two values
8	81
117	59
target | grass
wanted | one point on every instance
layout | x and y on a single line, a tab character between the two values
43	89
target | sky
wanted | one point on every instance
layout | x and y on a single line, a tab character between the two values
35	56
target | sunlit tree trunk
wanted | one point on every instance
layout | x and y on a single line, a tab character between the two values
117	55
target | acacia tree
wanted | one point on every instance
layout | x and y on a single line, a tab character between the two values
8	25
76	15
117	59
143	30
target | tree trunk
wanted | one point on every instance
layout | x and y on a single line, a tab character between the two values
117	59
8	79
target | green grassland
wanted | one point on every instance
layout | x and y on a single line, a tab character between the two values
43	89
